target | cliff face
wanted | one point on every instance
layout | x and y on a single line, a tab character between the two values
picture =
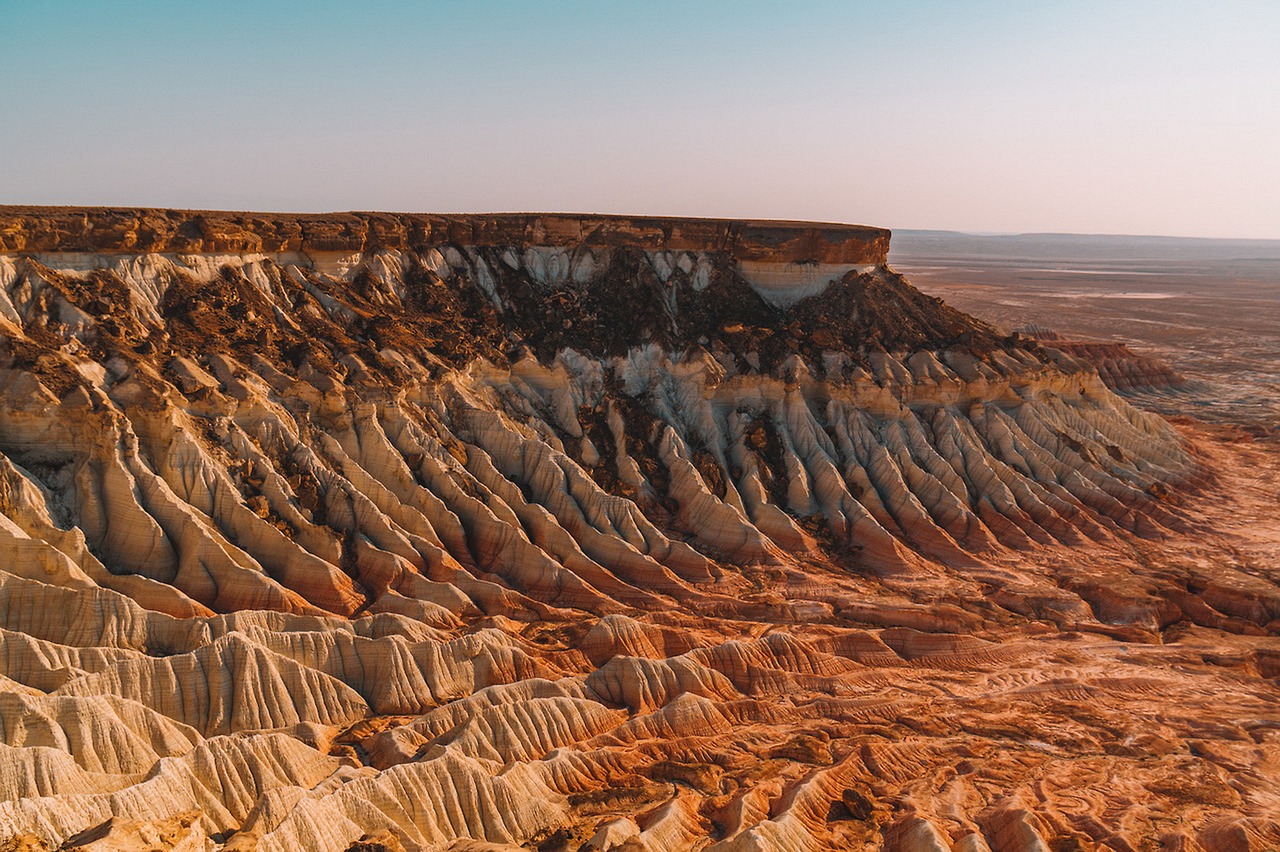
372	506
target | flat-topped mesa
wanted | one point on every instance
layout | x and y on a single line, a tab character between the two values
132	230
449	529
635	368
813	250
543	282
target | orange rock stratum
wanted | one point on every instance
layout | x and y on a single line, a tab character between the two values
471	532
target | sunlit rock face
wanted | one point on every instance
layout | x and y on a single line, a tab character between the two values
589	532
1120	368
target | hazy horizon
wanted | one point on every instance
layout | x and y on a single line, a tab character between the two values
987	118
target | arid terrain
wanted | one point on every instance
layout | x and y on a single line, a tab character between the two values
1210	308
486	532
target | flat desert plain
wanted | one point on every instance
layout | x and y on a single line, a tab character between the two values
1210	308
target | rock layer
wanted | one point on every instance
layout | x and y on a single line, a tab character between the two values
1119	367
588	532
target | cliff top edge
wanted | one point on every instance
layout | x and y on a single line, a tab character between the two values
39	229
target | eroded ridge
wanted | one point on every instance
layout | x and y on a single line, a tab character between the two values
586	530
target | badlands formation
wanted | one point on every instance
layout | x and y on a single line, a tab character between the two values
366	531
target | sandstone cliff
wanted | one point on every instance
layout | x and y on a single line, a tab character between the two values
588	532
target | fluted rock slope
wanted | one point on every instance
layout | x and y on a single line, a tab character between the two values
589	532
1119	367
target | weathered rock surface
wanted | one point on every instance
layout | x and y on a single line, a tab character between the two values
474	532
1119	367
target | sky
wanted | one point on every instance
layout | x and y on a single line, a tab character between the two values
1123	117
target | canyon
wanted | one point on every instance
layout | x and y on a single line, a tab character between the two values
578	532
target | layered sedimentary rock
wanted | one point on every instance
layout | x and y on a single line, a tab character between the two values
590	532
1119	367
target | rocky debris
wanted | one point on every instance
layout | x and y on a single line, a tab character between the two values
374	531
182	833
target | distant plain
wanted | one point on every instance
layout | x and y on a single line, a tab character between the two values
1210	308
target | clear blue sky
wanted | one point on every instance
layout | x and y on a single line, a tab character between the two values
1104	117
